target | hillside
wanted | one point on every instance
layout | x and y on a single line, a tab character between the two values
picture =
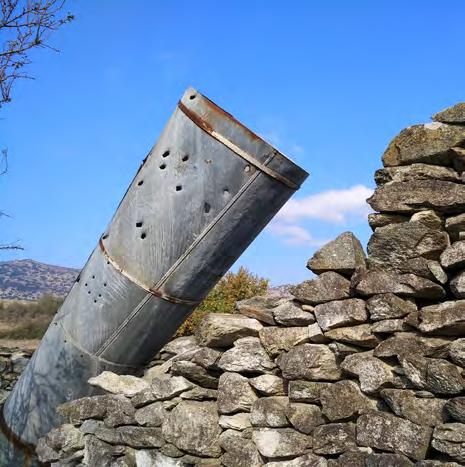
29	280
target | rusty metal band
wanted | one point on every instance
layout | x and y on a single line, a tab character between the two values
205	126
156	292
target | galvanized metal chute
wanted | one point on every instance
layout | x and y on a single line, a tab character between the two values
206	190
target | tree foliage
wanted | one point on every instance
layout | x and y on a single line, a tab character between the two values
231	288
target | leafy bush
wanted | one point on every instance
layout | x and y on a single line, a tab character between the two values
222	299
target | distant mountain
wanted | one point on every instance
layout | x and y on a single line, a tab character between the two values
284	289
29	280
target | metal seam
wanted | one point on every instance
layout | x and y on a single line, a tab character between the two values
153	291
202	124
167	275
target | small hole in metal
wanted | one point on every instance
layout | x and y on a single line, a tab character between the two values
191	97
178	187
163	166
247	168
95	301
165	154
207	208
105	236
88	292
143	235
138	224
185	158
104	284
93	277
141	183
226	192
99	294
65	341
108	262
85	285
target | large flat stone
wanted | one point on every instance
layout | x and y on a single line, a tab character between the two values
388	306
277	340
453	114
450	439
281	442
446	318
405	173
334	438
340	313
235	394
270	412
328	286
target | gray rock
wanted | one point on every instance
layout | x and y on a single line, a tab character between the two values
268	385
450	439
276	340
389	326
260	307
65	439
305	391
90	407
316	335
377	219
222	329
360	335
407	285
162	389
405	404
234	394
270	412
416	195
457	352
342	400
388	306
199	394
290	313
342	255
89	426
304	417
133	436
328	286
240	451
150	458
428	218
420	171
151	415
446	318
194	373
457	285
437	463
429	143
387	460
453	114
455	408
308	460
408	343
126	385
455	225
247	356
334	438
390	433
309	361
181	345
194	427
340	313
453	257
97	452
239	421
437	272
372	372
206	358
280	442
342	350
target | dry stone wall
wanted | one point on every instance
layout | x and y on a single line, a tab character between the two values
362	366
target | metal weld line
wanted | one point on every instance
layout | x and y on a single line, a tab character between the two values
154	291
170	271
197	119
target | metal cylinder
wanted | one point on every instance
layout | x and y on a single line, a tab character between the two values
206	190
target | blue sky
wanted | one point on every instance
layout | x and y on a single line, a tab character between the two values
327	82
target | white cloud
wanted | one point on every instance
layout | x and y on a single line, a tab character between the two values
333	206
294	234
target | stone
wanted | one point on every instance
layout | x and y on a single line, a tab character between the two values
372	372
247	356
388	306
85	408
342	350
270	412
171	450
446	318
407	285
222	329
428	143
416	195
290	313
457	352
407	343
268	385
260	307
360	335
181	345
193	427
239	421
429	219
90	426
194	373
389	326
162	389
150	458
280	442
126	385
406	247
133	436
97	452
450	439
342	400
457	285
455	225
309	361
151	415
437	272
316	335
377	219
305	391
328	286
206	358
405	404
453	114
443	377
340	313
334	438
436	463
387	460
304	417
276	340
65	439
199	394
405	173
307	460
453	257
455	408
234	394
387	432
239	451
342	255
